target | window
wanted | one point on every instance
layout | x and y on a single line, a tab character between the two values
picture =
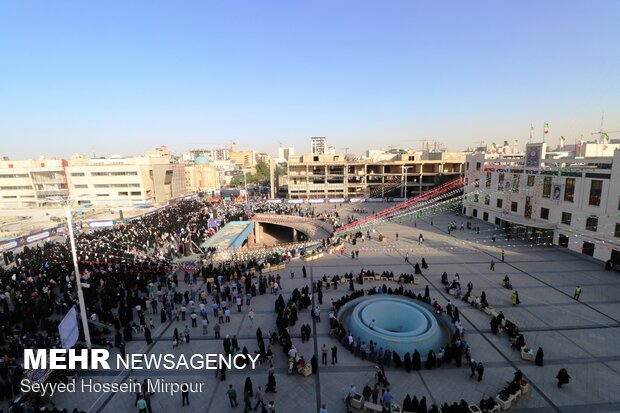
591	223
487	199
476	198
544	213
617	231
515	182
498	221
138	193
485	216
104	195
514	206
588	248
478	165
566	218
80	186
547	187
12	188
488	183
569	190
499	203
531	179
77	173
596	187
475	213
500	182
14	176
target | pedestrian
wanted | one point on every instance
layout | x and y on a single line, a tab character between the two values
247	402
407	256
577	292
503	255
194	318
334	355
563	377
205	326
324	354
473	366
232	396
184	394
539	357
492	265
480	370
323	409
141	403
397	236
251	317
258	395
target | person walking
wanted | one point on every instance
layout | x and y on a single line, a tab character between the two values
323	409
492	265
258	395
247	402
324	355
480	370
232	396
141	403
185	394
503	255
407	256
334	355
577	293
251	317
563	377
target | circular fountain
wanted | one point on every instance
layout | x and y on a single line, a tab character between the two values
397	323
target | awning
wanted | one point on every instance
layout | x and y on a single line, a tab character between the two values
534	223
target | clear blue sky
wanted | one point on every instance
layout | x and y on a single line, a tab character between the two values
123	76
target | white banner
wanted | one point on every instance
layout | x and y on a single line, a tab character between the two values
68	329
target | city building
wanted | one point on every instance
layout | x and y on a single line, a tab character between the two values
114	181
564	196
219	154
401	175
284	153
318	145
202	176
26	183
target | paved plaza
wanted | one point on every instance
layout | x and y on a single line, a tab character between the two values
581	336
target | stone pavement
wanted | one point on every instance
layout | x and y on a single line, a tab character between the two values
581	336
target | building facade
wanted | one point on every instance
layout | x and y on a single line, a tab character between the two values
318	145
565	197
332	176
111	182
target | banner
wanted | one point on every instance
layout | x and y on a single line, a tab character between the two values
68	329
316	201
556	191
336	200
295	201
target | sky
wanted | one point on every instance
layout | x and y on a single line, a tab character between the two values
119	77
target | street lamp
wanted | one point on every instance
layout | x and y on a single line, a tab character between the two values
66	205
405	178
245	185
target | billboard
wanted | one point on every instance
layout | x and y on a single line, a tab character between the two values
68	329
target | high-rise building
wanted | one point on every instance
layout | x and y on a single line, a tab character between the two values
318	145
284	153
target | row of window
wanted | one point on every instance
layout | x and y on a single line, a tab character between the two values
13	188
591	222
120	173
7	176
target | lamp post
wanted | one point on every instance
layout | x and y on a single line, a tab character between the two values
67	207
245	186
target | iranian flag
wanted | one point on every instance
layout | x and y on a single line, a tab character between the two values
546	129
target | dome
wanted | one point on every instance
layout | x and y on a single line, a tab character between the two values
201	160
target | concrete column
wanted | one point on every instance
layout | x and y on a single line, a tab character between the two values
294	234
